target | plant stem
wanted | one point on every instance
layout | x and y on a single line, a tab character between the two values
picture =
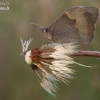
87	53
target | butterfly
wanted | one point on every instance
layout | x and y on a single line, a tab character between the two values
76	24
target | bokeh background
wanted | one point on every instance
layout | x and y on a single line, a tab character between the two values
17	80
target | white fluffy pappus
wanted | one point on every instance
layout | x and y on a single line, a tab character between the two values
58	68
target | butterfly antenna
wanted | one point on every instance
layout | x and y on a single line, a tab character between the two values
39	26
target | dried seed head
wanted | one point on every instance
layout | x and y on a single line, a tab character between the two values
52	63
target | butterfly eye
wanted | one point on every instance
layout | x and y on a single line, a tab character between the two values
44	30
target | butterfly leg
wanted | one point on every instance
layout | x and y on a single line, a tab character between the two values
61	42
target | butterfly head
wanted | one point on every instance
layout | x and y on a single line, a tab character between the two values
45	31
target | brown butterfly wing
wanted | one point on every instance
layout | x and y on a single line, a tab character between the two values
74	25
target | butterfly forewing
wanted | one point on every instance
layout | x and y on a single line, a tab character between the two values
76	24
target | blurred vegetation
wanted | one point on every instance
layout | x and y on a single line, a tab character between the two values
17	80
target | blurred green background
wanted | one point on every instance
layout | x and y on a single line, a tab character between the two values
17	80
